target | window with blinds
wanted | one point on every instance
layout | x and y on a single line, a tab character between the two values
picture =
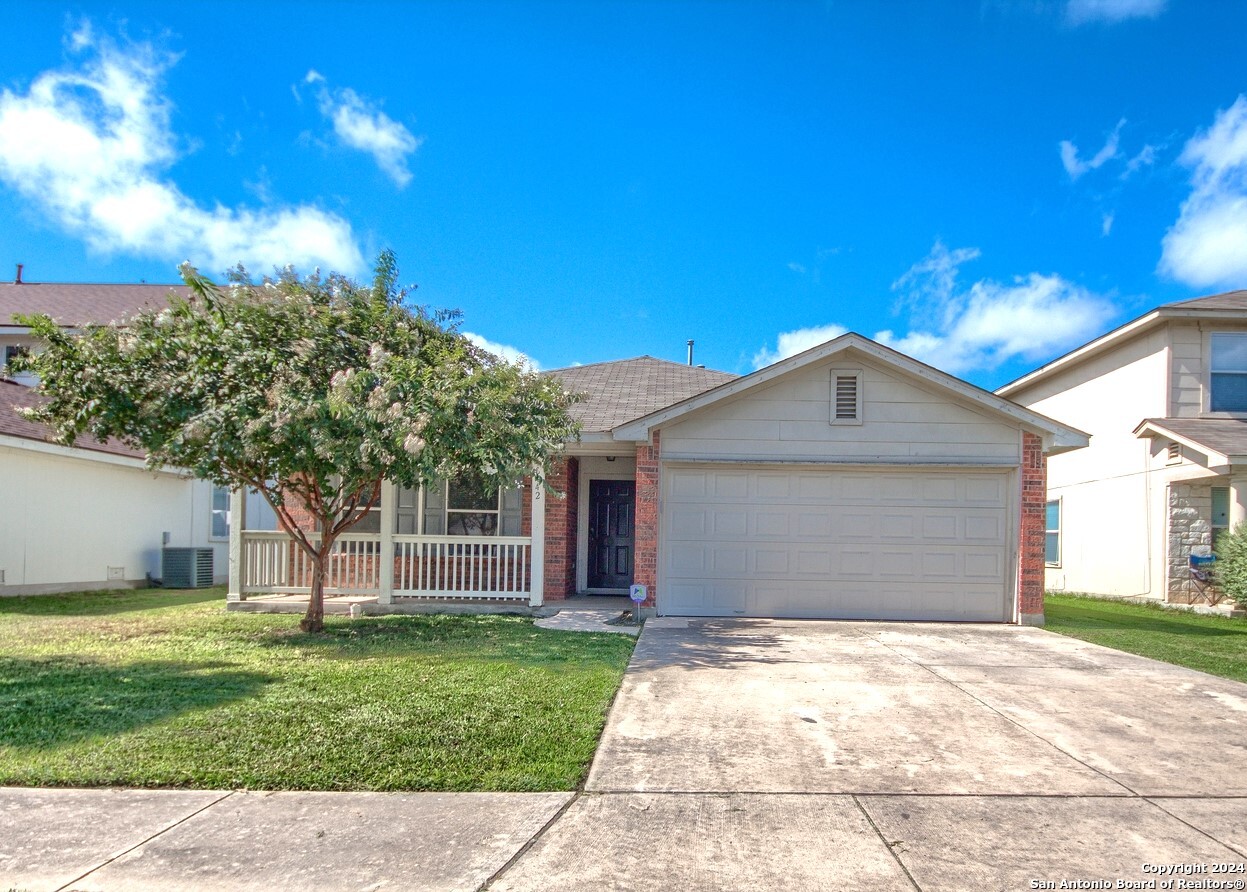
846	396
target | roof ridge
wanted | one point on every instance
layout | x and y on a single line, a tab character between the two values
25	284
682	365
1191	300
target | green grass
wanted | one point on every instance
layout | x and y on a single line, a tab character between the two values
1213	644
156	688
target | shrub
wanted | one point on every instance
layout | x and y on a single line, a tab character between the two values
1232	564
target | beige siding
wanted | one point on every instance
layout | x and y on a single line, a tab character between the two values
1113	517
1189	366
1186	371
790	421
67	520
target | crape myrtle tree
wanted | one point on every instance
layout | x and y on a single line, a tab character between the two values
310	389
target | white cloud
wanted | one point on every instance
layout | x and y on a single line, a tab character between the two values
976	328
1076	167
361	125
89	145
510	354
797	267
1031	318
931	282
1082	12
1207	245
790	343
1145	158
1106	224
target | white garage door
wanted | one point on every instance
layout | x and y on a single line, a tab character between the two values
908	544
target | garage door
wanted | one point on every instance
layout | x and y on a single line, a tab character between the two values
913	544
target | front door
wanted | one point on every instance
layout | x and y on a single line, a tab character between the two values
611	509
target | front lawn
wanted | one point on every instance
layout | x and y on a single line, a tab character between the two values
156	688
1213	644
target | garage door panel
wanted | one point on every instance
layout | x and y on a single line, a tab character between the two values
772	523
730	522
687	522
729	486
773	486
912	544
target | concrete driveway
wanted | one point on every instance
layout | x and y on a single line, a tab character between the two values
759	754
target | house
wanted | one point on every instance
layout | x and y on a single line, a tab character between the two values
1164	398
849	481
90	516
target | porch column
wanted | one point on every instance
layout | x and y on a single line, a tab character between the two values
386	551
537	563
237	523
1238	500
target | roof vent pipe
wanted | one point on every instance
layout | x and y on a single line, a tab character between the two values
690	351
18	280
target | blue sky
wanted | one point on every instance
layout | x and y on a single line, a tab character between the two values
981	184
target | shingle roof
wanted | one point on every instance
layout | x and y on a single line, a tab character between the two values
15	396
1227	436
1230	300
74	304
615	392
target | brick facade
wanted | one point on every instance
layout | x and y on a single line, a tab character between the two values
1031	530
645	545
561	518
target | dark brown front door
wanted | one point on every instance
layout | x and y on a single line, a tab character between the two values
611	509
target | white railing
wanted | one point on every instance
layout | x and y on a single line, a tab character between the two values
273	563
494	567
461	566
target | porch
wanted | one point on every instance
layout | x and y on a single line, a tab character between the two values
383	571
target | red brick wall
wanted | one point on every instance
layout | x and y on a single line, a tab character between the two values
560	571
645	546
1031	544
526	507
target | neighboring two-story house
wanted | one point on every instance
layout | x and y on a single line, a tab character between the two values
1164	398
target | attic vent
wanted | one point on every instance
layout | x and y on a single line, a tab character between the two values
1174	453
846	396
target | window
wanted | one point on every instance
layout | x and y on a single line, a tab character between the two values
846	396
370	522
462	507
1220	513
220	513
1228	378
11	352
1052	534
471	508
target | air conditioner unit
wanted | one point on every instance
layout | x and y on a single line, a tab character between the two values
186	567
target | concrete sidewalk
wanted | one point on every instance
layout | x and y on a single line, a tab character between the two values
206	840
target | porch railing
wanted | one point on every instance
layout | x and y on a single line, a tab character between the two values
461	566
272	563
495	567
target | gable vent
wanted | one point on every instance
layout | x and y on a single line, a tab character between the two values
846	396
1174	453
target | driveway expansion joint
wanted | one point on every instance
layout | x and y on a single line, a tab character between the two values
1199	830
890	846
523	850
138	845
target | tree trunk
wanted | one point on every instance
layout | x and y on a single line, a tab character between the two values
314	619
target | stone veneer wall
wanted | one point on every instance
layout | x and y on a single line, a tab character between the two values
1190	507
